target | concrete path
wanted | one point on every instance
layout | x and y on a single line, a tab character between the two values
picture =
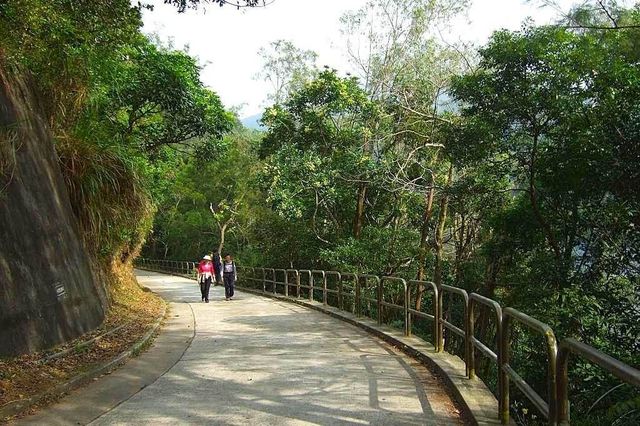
258	361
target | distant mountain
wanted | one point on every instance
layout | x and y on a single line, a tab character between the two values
253	122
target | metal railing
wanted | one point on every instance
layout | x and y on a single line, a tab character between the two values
368	291
172	266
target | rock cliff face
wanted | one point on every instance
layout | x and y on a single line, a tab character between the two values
48	292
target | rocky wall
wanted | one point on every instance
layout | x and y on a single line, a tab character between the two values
48	292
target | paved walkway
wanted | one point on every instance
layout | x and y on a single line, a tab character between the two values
258	361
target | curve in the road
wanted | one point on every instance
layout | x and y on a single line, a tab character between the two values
258	361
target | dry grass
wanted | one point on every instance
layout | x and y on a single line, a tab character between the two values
107	195
8	142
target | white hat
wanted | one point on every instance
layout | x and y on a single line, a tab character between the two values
207	257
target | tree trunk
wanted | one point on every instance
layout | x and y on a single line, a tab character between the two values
533	197
439	242
424	234
358	221
483	365
439	238
223	230
461	243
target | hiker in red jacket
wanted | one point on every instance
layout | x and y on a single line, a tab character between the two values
206	272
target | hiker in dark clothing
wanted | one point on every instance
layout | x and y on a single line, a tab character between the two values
217	262
230	276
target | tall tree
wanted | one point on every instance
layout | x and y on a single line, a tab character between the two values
317	145
286	68
394	47
156	99
567	148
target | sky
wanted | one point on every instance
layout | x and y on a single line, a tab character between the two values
226	40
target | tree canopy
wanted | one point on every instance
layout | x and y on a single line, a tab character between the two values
183	5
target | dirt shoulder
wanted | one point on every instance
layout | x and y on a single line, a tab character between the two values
132	314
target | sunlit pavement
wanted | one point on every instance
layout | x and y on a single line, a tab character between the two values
258	361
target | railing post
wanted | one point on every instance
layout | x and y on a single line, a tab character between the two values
440	322
254	275
407	314
275	280
358	298
340	301
311	286
380	291
552	374
297	284
286	283
324	288
562	415
471	335
503	377
435	317
467	338
264	280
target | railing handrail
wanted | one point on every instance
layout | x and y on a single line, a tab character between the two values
568	346
556	409
548	408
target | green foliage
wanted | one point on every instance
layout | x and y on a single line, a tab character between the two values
317	150
373	251
116	103
202	202
555	112
154	98
62	42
